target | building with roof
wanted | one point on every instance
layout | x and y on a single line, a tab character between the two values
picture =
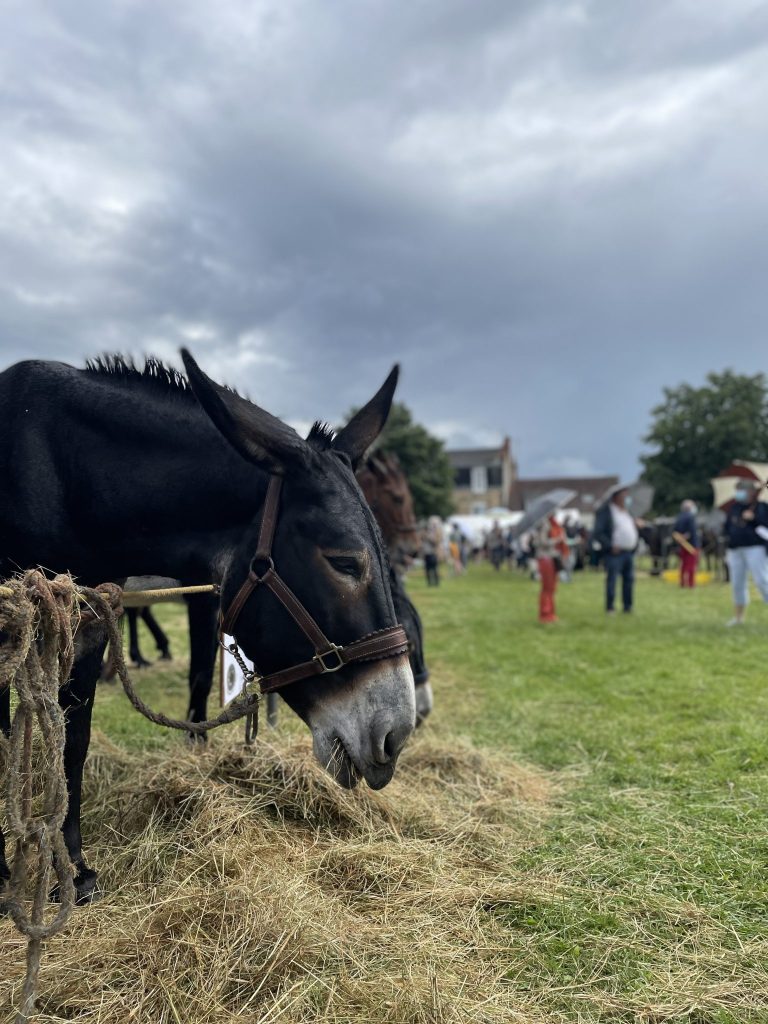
483	477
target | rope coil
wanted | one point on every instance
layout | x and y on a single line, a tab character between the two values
38	621
39	618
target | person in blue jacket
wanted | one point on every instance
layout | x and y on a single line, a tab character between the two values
746	531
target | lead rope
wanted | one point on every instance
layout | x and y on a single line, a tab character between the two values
239	708
38	620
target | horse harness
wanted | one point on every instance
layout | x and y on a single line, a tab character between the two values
328	657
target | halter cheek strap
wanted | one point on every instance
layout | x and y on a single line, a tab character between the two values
329	657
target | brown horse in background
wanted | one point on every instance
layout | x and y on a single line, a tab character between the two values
386	490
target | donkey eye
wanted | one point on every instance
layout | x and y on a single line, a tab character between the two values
347	565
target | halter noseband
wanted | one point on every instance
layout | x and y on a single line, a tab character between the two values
329	657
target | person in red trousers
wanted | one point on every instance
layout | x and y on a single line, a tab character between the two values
685	529
551	547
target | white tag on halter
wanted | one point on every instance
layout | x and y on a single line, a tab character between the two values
231	679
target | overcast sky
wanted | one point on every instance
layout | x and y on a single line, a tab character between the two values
546	211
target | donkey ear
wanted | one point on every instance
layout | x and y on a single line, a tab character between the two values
258	436
366	425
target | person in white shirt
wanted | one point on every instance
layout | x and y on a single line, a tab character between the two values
616	533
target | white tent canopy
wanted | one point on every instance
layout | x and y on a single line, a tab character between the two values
477	527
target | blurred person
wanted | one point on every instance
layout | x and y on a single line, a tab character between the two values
571	528
510	548
617	535
566	549
522	549
466	550
495	545
432	550
550	539
746	531
686	528
455	539
582	548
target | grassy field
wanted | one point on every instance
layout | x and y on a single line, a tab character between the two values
632	844
659	849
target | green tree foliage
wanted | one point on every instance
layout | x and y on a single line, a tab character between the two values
424	462
697	432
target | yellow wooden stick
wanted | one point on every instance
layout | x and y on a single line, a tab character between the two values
681	540
138	598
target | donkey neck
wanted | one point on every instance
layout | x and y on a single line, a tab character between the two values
193	497
108	478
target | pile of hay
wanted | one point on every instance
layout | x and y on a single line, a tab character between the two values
244	885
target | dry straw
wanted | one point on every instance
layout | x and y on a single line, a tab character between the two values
246	886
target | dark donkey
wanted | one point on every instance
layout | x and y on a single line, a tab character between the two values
391	502
386	490
110	471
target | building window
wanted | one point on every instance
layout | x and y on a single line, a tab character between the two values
478	507
461	477
479	480
494	476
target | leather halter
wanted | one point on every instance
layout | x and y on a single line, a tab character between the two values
329	657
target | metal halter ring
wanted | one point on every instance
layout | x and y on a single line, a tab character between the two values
265	560
332	651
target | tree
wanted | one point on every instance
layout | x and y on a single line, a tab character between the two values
424	462
697	432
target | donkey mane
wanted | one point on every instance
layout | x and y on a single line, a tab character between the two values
158	376
321	436
153	374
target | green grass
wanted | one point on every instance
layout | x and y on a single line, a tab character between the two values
648	886
658	721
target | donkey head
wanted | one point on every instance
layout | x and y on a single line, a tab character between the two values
328	550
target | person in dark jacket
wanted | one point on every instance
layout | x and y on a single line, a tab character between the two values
685	527
746	531
616	533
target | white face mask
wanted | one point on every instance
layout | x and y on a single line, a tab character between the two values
628	501
742	495
694	510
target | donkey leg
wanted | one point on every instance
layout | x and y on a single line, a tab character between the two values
76	699
5	729
202	611
161	640
132	614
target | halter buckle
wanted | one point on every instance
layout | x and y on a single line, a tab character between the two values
332	652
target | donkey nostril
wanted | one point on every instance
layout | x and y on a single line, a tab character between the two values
390	745
388	740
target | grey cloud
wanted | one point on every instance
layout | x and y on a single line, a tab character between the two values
546	211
